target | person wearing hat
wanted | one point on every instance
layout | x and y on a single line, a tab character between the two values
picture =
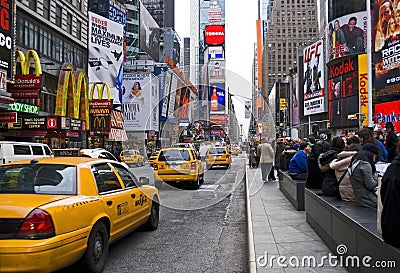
362	175
391	141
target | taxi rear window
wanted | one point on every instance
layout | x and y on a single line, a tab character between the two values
38	179
217	151
174	155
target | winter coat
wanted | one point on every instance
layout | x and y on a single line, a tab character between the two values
340	166
286	156
280	147
314	174
298	163
330	186
391	144
364	183
390	196
266	153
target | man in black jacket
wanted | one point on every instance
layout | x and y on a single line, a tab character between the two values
391	141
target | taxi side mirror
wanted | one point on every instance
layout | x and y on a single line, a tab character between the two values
144	180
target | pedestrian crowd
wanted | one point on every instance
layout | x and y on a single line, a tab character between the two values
344	167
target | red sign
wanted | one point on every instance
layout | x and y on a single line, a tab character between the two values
214	35
100	107
8	117
388	111
29	81
52	123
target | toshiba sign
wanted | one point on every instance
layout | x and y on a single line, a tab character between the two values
214	35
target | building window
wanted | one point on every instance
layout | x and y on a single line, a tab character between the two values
46	9
69	22
58	15
32	4
78	4
78	30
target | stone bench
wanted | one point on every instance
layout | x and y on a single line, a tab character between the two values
292	189
345	223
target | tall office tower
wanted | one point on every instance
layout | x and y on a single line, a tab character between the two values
292	26
132	28
186	57
162	11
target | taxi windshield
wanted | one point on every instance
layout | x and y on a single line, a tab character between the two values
217	151
38	179
174	155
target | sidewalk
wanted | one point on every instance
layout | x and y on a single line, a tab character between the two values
278	229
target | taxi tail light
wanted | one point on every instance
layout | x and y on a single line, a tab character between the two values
155	166
193	166
37	225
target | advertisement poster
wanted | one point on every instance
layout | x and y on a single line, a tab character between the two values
172	95
388	112
149	34
184	100
295	103
217	99
7	28
313	78
386	33
347	35
217	70
140	105
106	58
343	92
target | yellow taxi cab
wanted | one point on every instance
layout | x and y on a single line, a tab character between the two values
153	158
132	157
57	211
218	156
235	150
178	165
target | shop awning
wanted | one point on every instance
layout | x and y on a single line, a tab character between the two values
117	135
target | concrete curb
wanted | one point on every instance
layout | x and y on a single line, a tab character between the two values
250	237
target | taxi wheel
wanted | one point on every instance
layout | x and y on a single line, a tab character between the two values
154	218
196	184
96	252
202	179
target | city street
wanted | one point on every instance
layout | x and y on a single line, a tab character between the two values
199	231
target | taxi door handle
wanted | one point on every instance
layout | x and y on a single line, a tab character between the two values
133	195
109	203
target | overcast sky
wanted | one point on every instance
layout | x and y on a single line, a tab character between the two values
240	31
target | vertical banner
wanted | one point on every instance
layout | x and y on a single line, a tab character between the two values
106	58
313	78
363	88
140	102
217	99
7	28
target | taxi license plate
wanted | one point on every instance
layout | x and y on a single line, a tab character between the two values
174	166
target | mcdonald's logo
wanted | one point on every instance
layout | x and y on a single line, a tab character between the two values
25	85
99	87
26	62
72	94
100	123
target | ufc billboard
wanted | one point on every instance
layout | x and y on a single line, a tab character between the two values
214	35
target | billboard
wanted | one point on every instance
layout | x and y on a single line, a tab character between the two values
214	35
346	91
346	35
386	43
106	58
216	70
149	37
388	111
217	99
215	52
7	28
313	78
140	105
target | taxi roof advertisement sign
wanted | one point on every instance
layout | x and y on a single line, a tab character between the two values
7	41
106	54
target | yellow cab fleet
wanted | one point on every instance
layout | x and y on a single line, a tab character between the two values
218	156
57	211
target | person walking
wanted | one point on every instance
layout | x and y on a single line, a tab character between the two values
390	196
391	141
267	155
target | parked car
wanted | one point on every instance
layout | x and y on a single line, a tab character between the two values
178	165
98	153
153	158
11	151
57	211
132	157
218	156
